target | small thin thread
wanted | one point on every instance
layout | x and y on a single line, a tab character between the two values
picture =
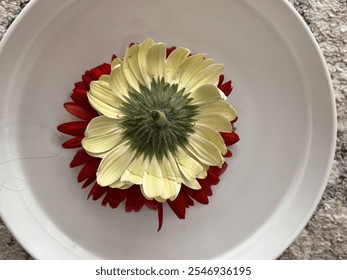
3	185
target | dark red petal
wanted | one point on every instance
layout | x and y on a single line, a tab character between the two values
160	216
88	170
228	154
80	111
80	158
221	79
169	51
230	138
73	128
234	120
73	143
113	57
179	205
114	197
206	187
226	88
198	195
90	180
135	200
81	85
97	191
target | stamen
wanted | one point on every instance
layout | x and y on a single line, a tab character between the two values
158	117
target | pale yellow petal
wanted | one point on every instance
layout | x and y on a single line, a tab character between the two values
119	84
117	61
215	121
221	107
104	78
184	65
205	94
175	58
211	135
193	184
101	125
172	184
192	70
204	150
202	174
188	166
104	108
113	165
120	185
131	67
135	171
156	61
102	143
153	182
209	75
101	89
142	60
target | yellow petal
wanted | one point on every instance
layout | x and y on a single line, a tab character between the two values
184	65
202	174
117	61
221	107
101	125
156	61
113	165
105	78
101	90
209	75
215	121
172	184
211	135
135	171
153	182
131	67
206	94
175	58
119	84
120	185
104	108
188	166
204	150
142	60
193	184
102	143
192	70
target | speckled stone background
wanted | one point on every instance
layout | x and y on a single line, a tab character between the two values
325	236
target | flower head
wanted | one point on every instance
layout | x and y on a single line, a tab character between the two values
160	121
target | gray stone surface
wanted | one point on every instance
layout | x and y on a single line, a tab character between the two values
325	236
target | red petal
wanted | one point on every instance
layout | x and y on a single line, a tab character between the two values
178	205
206	187
97	191
226	88
221	79
135	200
234	120
88	170
80	158
199	195
114	197
73	128
228	154
113	57
169	50
230	138
90	180
73	143
160	216
79	111
81	85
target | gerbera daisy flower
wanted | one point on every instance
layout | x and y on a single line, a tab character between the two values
156	125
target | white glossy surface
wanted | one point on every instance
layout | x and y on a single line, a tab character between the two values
277	174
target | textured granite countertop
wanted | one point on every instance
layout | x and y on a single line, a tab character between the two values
325	236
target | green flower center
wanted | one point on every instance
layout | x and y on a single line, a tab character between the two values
158	120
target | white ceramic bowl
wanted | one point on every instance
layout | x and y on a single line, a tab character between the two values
286	123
